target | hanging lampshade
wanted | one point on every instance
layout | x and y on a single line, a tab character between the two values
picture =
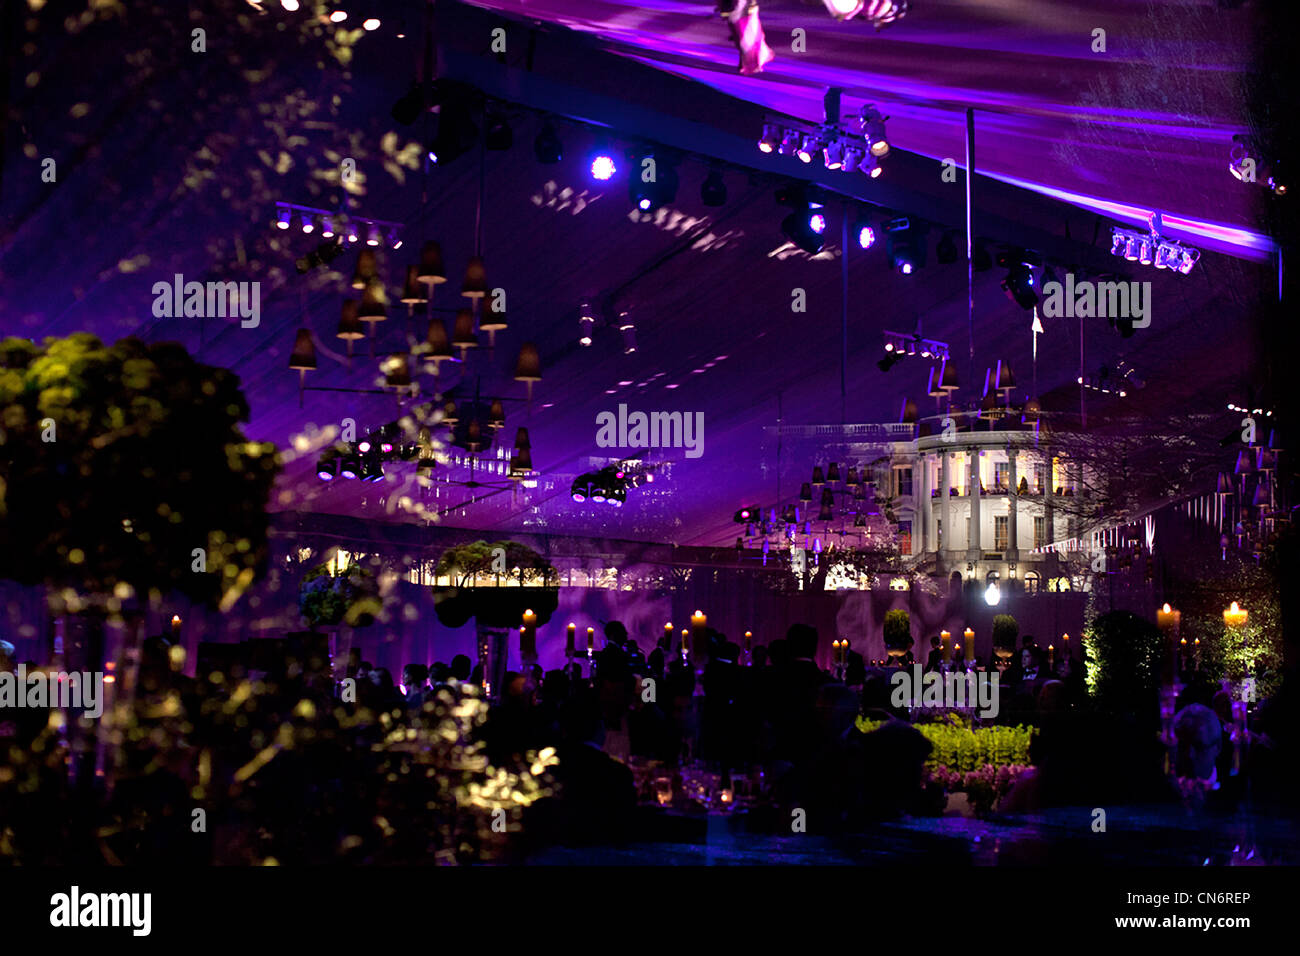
303	358
397	370
1245	462
475	284
474	436
933	388
374	303
1267	459
492	322
497	415
414	292
825	513
463	336
522	462
437	348
430	270
948	379
521	438
908	414
367	269
833	471
1261	499
828	497
449	415
852	479
818	479
805	492
1006	380
349	324
1225	485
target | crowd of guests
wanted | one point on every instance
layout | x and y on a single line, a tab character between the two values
298	767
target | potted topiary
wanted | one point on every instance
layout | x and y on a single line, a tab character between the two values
1006	631
898	632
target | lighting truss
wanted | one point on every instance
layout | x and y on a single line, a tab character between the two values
1153	249
311	220
909	343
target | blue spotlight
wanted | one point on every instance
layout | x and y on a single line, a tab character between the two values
603	167
866	237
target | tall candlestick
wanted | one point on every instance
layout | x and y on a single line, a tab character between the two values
698	622
176	625
749	640
969	637
591	640
528	637
570	640
668	636
686	643
1051	658
945	640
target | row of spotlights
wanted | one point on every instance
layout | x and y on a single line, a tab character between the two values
836	154
1153	250
352	229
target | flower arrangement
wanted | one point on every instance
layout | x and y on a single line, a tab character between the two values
349	597
984	786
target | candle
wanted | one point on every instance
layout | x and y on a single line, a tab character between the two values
1236	616
528	637
176	625
969	636
698	621
749	640
591	640
945	639
570	639
686	642
1165	618
1051	657
668	636
837	653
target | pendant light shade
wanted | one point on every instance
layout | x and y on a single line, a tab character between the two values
450	415
397	370
350	328
1246	462
374	303
908	413
497	415
805	492
934	389
437	347
1225	485
528	367
833	471
1261	494
521	438
303	357
522	462
463	336
414	292
367	269
431	271
852	479
1006	380
475	284
948	379
493	321
818	479
474	436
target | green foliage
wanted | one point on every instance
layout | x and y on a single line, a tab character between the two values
1124	652
117	462
1006	632
351	597
898	630
467	560
959	746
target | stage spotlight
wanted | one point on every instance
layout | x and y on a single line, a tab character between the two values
866	235
394	239
808	148
372	236
789	142
364	446
853	157
327	227
603	167
370	24
873	131
285	219
1131	248
580	489
628	329
1118	243
714	191
945	251
906	245
308	222
659	191
499	135
1144	251
547	146
833	155
1188	259
348	468
805	228
617	496
586	322
771	138
871	166
1019	285
325	469
372	470
338	16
